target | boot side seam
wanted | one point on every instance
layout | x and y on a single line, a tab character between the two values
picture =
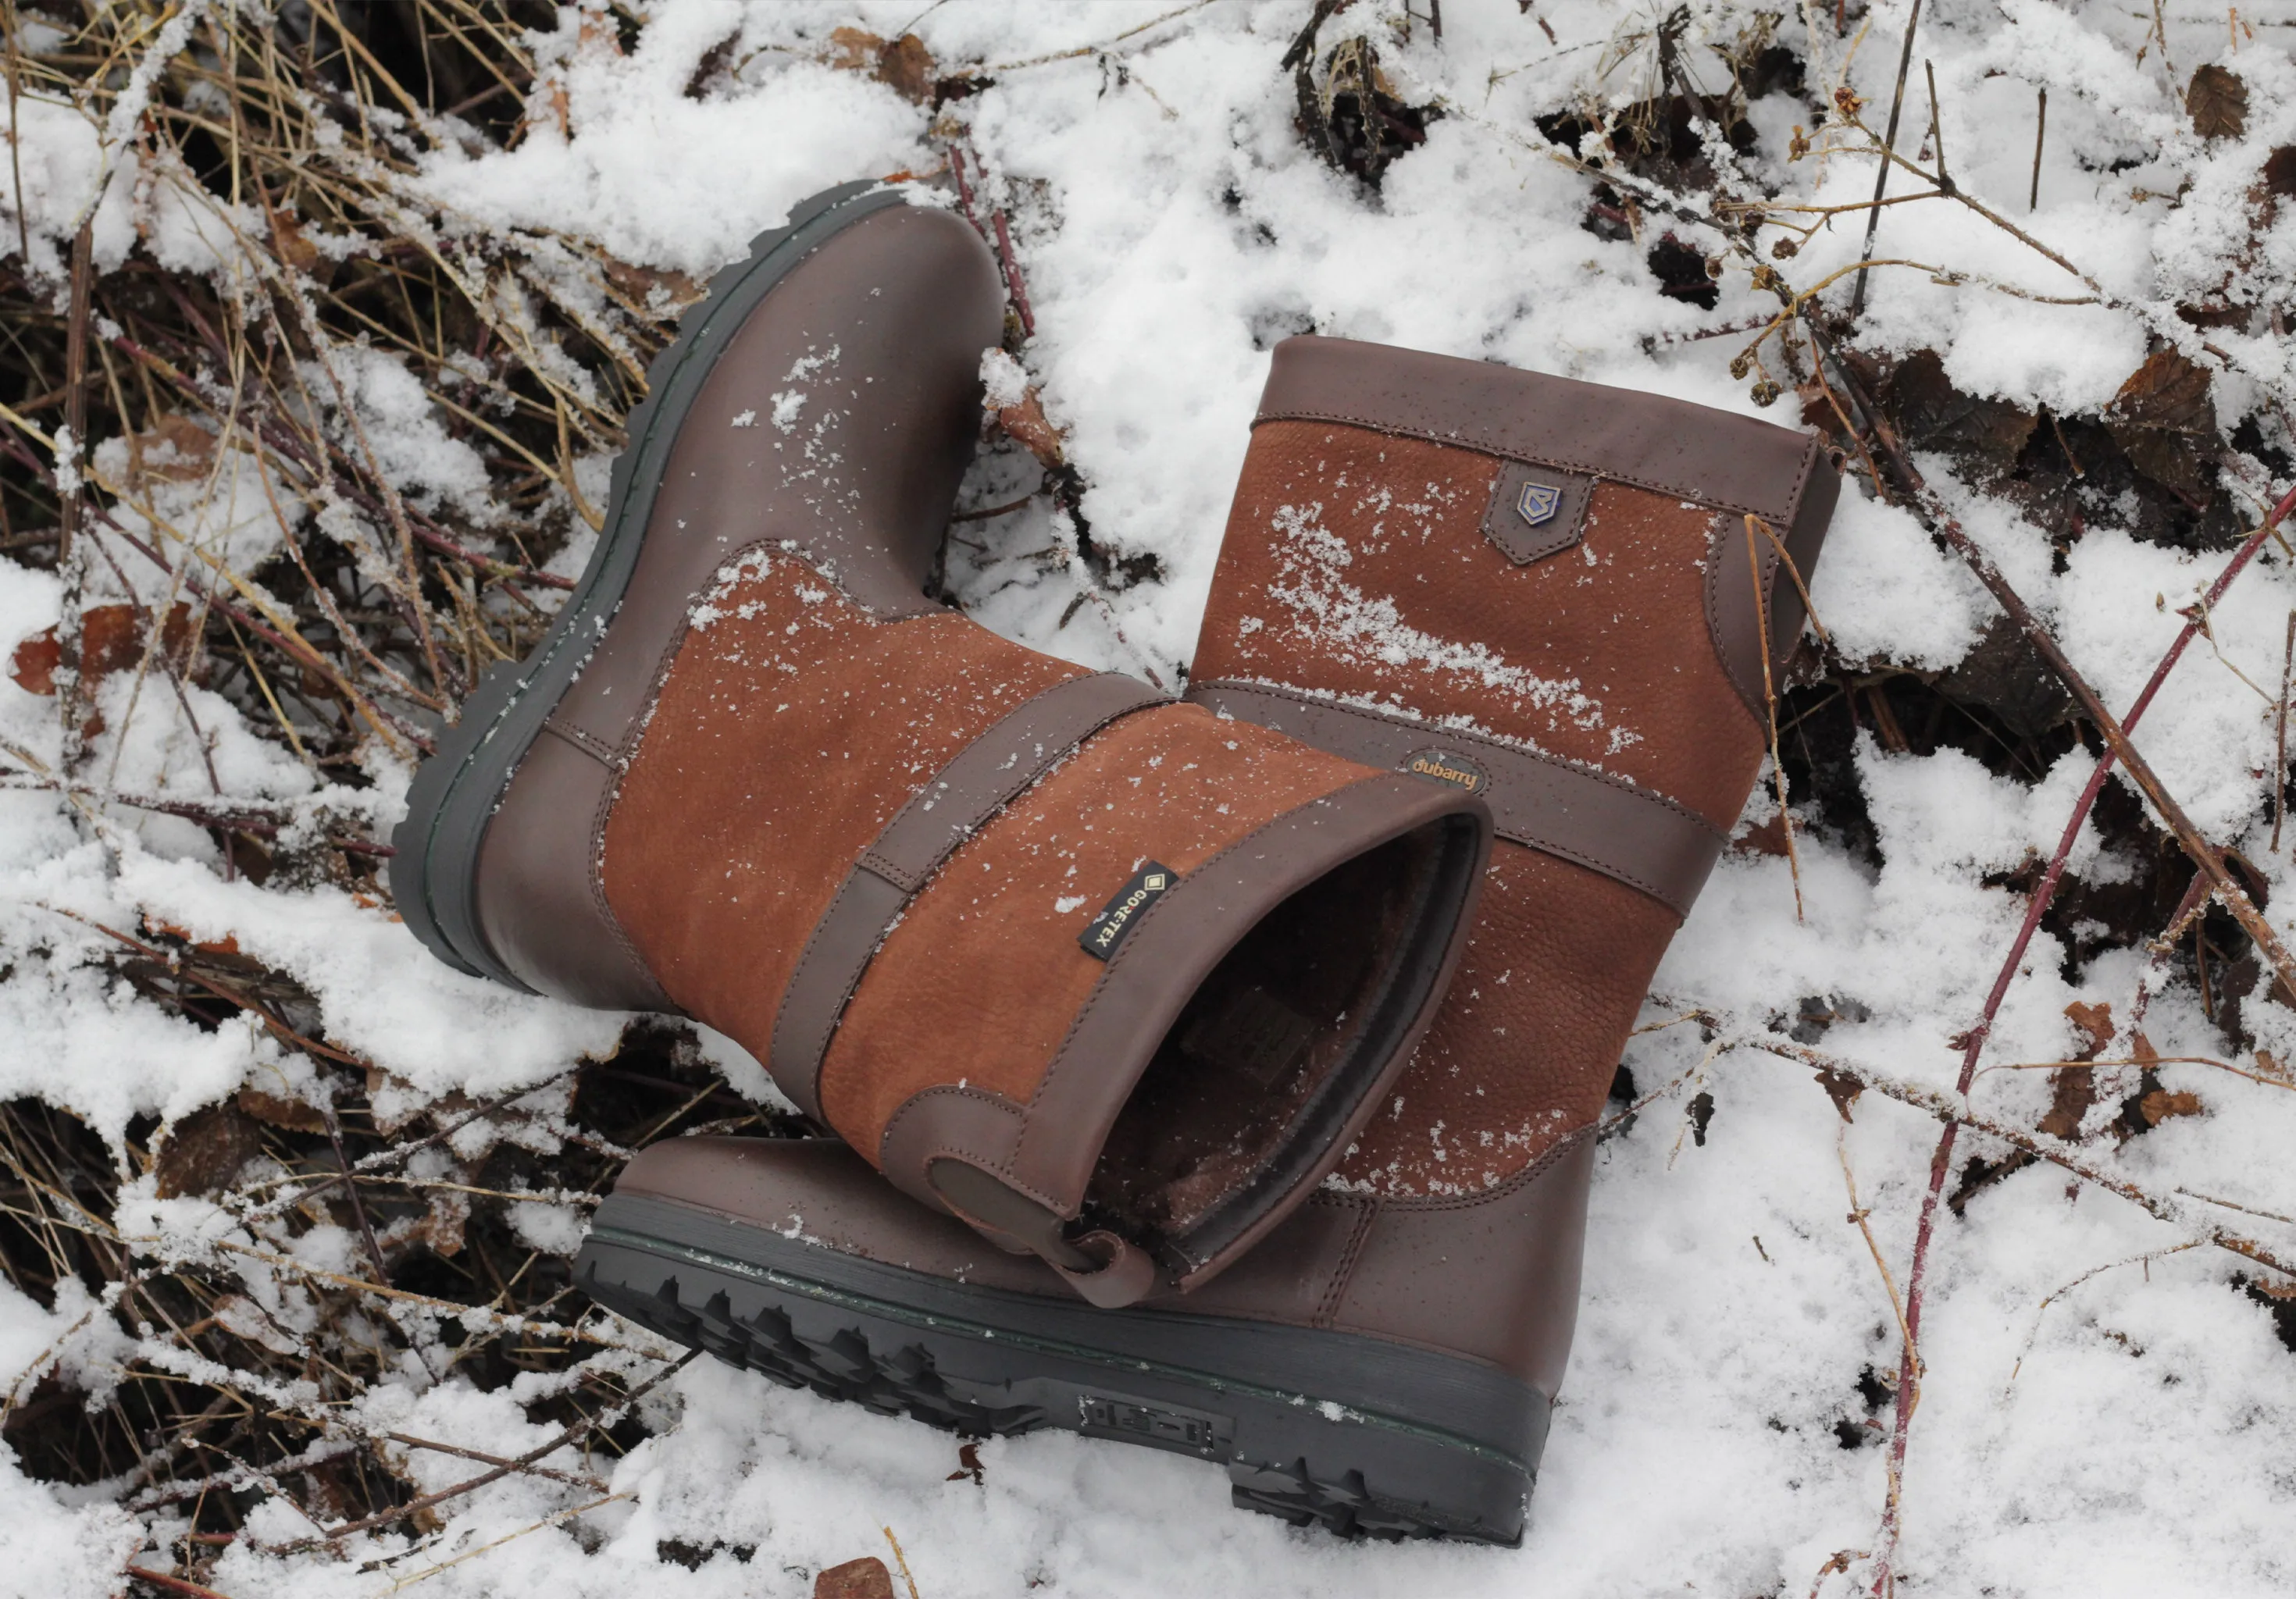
1343	1270
1731	649
588	743
594	870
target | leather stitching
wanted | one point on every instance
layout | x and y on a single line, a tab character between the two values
1327	1309
899	876
1578	858
1561	463
912	882
1716	554
1553	1156
588	743
946	1149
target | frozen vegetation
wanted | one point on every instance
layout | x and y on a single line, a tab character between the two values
360	328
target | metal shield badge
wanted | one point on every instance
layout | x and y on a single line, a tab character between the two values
1539	502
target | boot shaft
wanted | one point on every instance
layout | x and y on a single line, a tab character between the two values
1564	598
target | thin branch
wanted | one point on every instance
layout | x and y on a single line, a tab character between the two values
1889	142
540	1452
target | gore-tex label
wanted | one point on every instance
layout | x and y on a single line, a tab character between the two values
1106	930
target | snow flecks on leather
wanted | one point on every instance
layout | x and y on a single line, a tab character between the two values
1312	561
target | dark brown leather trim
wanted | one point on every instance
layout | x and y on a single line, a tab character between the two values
1734	603
597	749
981	780
1596	820
843	943
1558	498
1174	948
1803	541
956	1123
1493	1273
986	773
1669	445
540	901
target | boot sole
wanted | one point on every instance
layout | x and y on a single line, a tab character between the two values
1393	1442
455	792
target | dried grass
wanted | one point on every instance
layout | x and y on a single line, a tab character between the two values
371	623
378	614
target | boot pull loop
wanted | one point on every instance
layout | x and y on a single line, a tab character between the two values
1123	1277
1105	1269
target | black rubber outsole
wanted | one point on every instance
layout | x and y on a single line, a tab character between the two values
1391	1442
454	792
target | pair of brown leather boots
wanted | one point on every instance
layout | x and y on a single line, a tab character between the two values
1215	1075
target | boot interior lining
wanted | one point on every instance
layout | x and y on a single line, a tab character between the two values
1278	1045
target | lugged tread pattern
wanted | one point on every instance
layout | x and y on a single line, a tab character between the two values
844	1367
901	1379
1345	1507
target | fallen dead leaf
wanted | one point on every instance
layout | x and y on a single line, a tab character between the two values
109	640
863	1579
906	67
2161	1104
226	945
2094	1023
855	49
1024	422
903	64
2166	420
641	283
1840	1088
280	1111
205	1149
177	450
2279	172
2216	101
1936	416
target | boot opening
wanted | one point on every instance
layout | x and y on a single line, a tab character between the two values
1273	1054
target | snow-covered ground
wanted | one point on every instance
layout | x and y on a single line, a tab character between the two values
2104	1412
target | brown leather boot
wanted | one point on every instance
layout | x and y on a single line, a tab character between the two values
1539	591
753	776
